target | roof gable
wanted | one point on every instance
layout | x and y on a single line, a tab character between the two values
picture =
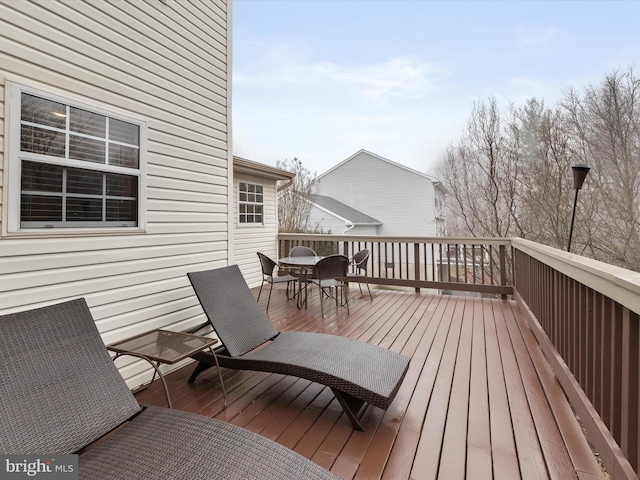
342	211
383	159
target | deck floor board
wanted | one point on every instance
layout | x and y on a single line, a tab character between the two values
478	401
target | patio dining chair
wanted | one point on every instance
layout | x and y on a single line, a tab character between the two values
329	275
268	276
357	372
302	251
359	273
62	394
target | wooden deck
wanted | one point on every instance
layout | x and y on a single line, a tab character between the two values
478	401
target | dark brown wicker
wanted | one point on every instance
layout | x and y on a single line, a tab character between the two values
268	275
59	391
357	372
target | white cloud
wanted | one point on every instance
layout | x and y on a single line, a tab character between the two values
399	77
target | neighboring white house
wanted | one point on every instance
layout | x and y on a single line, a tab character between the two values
255	220
367	194
115	158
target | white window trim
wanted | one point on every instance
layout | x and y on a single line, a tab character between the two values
12	164
245	225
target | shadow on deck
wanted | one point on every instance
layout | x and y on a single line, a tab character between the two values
478	401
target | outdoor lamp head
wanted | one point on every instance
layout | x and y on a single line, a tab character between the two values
579	174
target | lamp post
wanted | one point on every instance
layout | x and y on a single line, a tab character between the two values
579	174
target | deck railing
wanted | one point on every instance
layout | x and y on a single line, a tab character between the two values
480	265
585	315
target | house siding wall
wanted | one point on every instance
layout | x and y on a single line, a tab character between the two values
251	239
167	64
403	201
319	218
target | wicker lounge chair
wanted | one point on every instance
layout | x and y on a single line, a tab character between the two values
357	372
61	392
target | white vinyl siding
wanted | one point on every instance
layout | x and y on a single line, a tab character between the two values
319	218
249	239
166	63
399	198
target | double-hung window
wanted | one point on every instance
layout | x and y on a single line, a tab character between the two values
250	204
72	166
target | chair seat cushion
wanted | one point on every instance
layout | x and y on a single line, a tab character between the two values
171	444
283	278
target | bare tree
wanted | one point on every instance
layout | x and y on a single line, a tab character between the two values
481	173
294	205
511	174
546	180
606	130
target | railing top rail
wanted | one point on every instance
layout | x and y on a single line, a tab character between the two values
617	283
395	239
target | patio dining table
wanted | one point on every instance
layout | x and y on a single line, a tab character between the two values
303	267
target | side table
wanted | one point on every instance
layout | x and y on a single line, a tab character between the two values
164	346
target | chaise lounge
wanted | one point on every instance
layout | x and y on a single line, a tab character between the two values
356	371
61	394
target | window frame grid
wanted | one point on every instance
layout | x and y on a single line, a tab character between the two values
240	202
12	215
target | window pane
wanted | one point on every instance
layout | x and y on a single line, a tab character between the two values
86	149
258	219
124	132
243	196
42	111
82	121
84	209
38	140
41	177
243	187
123	156
259	189
122	185
122	210
84	181
40	208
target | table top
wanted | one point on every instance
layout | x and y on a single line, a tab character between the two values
163	345
300	261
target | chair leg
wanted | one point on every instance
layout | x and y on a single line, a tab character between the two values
320	290
367	282
346	297
291	286
351	406
269	300
260	292
201	367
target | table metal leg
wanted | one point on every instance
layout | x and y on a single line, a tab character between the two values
157	370
224	392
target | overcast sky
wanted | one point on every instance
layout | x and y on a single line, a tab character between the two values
319	80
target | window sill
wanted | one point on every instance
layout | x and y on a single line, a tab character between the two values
72	232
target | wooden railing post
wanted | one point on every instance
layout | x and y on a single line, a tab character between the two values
503	267
416	261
